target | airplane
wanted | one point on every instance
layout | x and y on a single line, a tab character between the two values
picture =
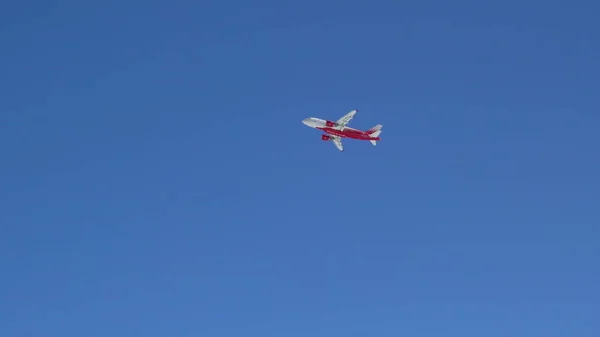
336	130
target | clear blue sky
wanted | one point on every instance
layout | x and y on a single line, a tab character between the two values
156	179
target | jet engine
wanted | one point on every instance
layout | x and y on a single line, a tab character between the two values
329	124
325	137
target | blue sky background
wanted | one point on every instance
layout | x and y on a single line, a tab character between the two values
156	178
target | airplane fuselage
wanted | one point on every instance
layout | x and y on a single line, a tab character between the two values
330	128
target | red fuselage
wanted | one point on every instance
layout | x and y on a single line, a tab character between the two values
348	133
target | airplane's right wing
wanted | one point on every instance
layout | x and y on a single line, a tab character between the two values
337	141
342	122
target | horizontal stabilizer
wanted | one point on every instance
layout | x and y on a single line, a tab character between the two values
375	134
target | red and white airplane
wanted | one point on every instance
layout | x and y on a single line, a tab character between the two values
339	129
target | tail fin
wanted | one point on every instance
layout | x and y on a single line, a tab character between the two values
374	129
374	132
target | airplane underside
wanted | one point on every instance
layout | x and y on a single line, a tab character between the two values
336	137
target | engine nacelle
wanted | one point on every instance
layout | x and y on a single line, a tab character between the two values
325	137
329	124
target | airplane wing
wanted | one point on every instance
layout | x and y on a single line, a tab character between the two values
342	122
337	141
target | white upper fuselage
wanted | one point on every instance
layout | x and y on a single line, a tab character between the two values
332	129
315	122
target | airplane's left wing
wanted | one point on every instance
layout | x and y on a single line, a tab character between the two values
342	122
337	141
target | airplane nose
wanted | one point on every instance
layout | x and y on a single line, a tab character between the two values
306	121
